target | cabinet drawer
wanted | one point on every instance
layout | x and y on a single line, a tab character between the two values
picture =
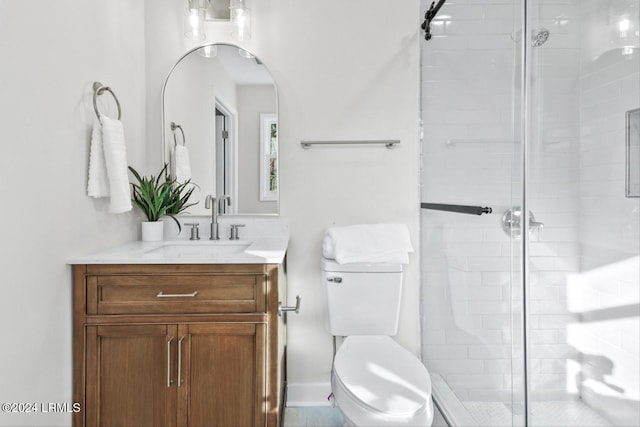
173	294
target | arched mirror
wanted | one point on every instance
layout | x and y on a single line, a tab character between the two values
220	127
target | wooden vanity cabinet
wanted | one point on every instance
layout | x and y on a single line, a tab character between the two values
178	345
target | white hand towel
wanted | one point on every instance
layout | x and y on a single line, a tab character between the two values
181	164
115	154
98	184
376	243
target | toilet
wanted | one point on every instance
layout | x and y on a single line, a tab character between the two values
375	381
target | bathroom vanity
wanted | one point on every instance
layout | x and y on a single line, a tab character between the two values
180	333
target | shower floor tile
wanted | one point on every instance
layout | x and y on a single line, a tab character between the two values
547	414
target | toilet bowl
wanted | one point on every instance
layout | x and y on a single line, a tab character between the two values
376	382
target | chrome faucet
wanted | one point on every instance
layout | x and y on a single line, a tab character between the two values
211	202
221	202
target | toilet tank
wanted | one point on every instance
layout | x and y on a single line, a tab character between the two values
362	299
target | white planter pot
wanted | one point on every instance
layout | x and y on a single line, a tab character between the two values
152	231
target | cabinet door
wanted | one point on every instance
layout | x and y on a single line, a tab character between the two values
131	373
224	375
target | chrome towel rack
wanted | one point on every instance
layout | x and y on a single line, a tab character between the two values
99	89
389	143
173	129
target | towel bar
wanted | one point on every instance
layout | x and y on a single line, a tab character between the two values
98	89
389	143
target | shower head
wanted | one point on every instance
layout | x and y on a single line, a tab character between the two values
539	37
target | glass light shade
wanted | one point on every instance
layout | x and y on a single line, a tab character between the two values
240	20
245	53
209	51
194	20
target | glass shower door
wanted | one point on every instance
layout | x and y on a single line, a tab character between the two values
582	80
471	267
531	312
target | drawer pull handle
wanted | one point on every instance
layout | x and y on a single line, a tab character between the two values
191	295
169	380
180	380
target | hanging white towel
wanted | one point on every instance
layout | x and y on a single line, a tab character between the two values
181	164
98	184
115	154
368	243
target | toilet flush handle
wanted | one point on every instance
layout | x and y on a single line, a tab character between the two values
282	309
334	279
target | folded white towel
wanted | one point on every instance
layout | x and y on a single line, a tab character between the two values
181	165
115	155
98	184
377	243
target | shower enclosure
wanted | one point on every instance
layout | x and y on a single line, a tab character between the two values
531	217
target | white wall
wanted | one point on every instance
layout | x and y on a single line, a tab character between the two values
344	70
52	52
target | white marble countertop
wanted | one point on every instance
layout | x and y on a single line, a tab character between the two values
266	242
261	250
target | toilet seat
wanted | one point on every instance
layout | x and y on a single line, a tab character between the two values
383	376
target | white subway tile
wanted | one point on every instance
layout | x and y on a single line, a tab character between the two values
456	366
489	351
484	381
446	352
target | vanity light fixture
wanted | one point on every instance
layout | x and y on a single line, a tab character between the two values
194	19
240	20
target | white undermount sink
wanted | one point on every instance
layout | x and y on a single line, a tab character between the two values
200	249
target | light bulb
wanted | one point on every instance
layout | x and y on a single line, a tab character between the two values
624	25
194	20
240	20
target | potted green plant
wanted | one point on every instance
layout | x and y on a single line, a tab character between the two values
157	197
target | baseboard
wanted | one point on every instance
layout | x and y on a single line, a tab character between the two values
309	394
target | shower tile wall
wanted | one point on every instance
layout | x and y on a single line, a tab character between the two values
553	197
469	157
606	291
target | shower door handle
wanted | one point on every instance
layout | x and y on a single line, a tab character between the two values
511	222
535	224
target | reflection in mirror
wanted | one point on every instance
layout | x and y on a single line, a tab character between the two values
633	153
222	101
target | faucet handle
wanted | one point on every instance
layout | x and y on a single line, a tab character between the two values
195	231
234	231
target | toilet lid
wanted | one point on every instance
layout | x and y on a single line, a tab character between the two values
383	375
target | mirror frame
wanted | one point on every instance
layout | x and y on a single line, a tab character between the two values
277	115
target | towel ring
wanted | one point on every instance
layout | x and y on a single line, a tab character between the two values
173	129
99	89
